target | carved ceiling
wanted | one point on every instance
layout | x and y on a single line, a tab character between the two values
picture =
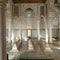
29	1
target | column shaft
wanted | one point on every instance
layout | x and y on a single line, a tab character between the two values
50	6
50	30
2	33
38	29
46	29
9	30
59	28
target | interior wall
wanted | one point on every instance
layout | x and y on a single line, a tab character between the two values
58	1
22	21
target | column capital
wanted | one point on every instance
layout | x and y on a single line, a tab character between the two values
3	5
3	0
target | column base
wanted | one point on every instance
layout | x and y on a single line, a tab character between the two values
14	48
47	48
50	42
47	45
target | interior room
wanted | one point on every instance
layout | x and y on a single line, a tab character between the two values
30	29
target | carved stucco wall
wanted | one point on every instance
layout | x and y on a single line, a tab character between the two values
53	17
21	19
24	19
58	1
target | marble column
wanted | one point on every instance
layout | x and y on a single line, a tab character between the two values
50	31
38	29
9	12
46	35
50	13
2	31
46	29
59	27
9	30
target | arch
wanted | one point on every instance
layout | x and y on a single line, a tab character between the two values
55	1
29	9
29	12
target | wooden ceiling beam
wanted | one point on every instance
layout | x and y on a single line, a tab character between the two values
29	1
